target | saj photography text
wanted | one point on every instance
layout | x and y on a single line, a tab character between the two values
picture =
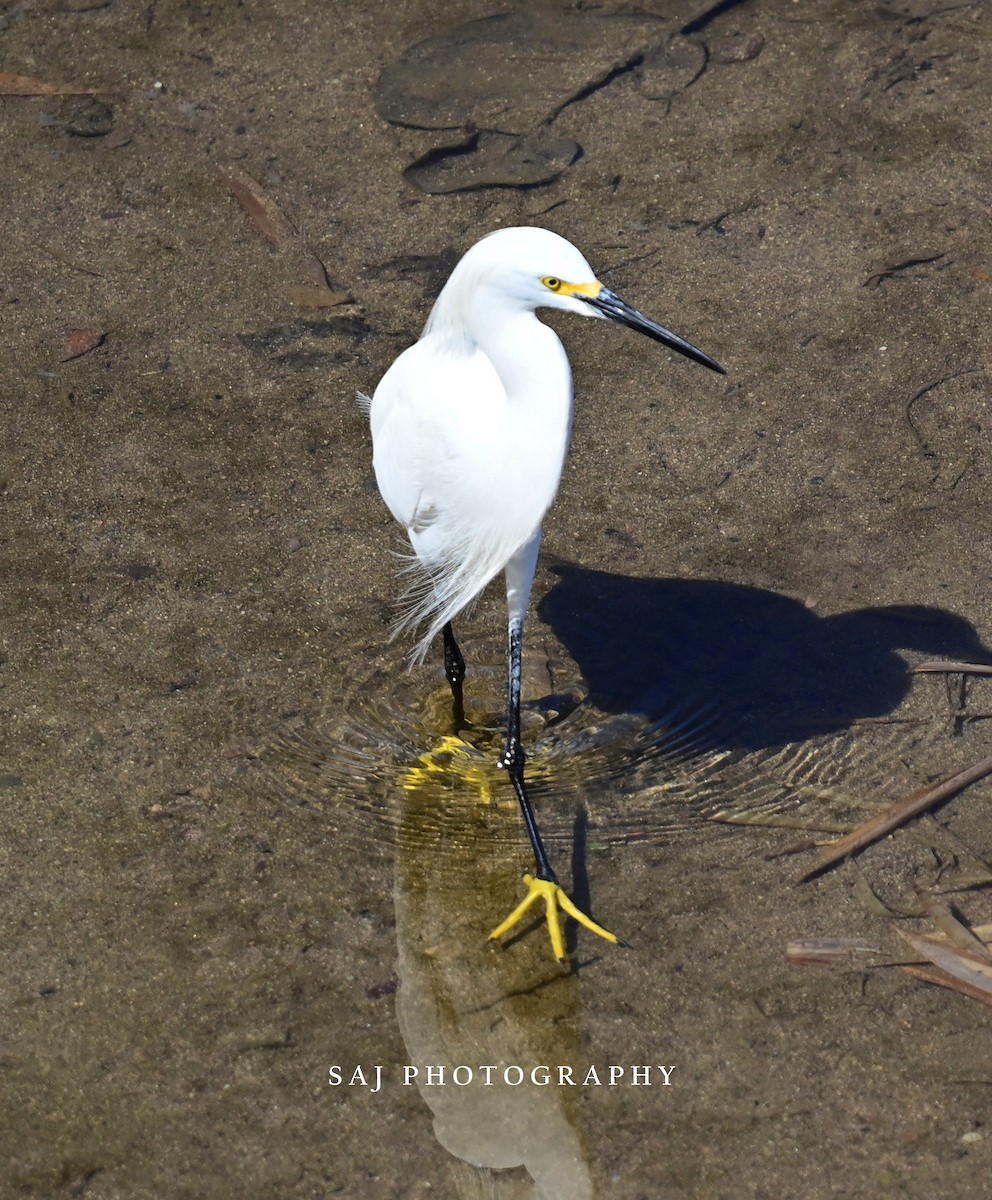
439	1075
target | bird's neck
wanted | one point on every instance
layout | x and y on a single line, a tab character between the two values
526	353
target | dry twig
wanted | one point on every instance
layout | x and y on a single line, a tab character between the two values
897	814
949	667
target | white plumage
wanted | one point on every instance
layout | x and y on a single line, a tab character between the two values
471	424
470	428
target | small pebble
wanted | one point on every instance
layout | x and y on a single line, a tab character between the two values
741	48
92	118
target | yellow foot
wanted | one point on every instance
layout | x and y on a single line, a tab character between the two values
553	897
452	756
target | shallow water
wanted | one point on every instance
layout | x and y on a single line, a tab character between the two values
238	850
495	1039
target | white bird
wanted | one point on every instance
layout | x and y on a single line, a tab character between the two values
470	428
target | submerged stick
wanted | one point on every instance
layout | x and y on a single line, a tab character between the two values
897	814
948	667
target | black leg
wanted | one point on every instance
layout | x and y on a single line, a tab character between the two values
513	757
454	670
543	885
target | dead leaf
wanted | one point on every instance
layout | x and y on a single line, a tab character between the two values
285	237
27	85
262	209
958	935
959	963
77	342
932	975
982	932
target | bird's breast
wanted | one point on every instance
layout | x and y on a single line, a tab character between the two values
467	440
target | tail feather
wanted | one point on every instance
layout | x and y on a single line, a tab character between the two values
444	584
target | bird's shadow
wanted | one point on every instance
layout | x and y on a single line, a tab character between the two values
770	668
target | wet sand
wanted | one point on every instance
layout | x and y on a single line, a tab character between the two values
202	908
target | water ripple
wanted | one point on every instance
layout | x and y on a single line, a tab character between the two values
383	766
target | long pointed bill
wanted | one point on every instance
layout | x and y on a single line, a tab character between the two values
618	310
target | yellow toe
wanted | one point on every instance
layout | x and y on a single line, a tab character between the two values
554	898
451	756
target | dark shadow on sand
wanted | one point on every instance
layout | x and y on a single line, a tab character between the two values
771	669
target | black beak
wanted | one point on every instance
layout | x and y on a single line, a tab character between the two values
615	309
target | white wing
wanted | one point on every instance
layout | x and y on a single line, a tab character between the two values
438	427
467	470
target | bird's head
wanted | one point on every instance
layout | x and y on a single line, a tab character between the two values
528	268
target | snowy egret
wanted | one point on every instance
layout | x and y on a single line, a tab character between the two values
470	428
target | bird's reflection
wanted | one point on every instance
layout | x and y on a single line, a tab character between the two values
775	670
479	1023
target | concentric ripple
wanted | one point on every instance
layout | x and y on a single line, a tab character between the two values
383	765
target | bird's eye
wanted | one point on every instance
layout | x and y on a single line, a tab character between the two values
550	282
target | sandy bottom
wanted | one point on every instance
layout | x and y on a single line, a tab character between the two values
237	850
